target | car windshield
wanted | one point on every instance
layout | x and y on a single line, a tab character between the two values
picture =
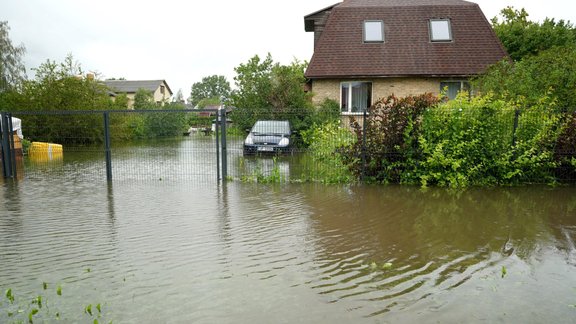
271	127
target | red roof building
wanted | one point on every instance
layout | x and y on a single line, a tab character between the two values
368	49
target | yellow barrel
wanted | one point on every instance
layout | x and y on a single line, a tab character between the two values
44	152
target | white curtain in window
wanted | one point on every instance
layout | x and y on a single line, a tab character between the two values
360	96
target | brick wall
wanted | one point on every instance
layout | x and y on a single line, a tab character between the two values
381	88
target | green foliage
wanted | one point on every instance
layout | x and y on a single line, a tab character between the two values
41	308
565	148
165	124
268	90
274	176
327	112
522	37
462	142
61	87
214	101
384	153
214	87
144	100
468	142
324	145
551	73
196	120
12	70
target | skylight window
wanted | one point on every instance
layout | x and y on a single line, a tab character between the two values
440	30
373	31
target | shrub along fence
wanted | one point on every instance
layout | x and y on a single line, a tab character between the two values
464	142
415	140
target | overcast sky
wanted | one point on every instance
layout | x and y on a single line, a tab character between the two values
184	41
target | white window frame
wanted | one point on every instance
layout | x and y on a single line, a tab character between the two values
366	28
349	97
438	36
464	85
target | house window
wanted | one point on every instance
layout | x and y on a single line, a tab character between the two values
162	89
440	30
355	97
450	89
373	31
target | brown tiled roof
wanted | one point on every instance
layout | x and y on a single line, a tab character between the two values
407	50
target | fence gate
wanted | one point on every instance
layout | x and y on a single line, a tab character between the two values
118	145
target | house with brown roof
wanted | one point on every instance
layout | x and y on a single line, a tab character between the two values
365	50
158	88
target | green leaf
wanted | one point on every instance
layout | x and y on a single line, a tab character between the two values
88	309
31	314
387	265
59	291
9	295
44	286
99	308
503	271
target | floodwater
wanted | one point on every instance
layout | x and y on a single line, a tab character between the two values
179	251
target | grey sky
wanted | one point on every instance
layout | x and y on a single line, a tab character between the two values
184	41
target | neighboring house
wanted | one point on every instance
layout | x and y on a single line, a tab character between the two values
159	89
365	50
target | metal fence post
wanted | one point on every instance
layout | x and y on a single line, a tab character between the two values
516	117
7	165
217	129
363	175
222	118
107	146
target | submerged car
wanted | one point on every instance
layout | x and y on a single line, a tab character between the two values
268	136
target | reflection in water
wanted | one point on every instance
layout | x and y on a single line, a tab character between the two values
243	252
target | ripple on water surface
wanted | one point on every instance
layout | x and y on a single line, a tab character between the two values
175	251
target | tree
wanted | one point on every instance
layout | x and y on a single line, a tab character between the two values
215	86
522	37
144	100
270	90
62	87
12	70
550	74
253	83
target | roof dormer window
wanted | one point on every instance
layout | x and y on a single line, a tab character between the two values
440	30
373	31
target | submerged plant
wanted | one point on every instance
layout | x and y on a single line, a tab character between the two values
41	308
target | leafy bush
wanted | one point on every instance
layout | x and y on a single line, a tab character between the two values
392	126
324	145
550	74
474	142
196	120
163	124
565	149
327	112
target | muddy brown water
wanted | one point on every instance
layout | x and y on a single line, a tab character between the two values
176	252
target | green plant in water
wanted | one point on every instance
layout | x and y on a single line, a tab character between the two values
17	310
258	175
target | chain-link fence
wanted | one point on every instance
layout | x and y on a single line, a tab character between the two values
447	147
